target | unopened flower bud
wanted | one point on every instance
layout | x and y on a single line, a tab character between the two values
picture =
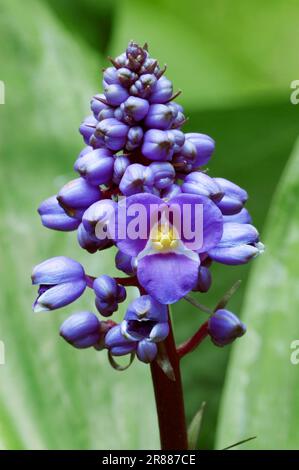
110	76
204	280
162	91
96	166
108	294
158	145
239	243
134	138
125	263
117	344
121	163
97	105
198	148
144	86
146	351
87	128
126	77
164	174
159	116
137	178
81	330
89	241
78	194
114	133
171	191
200	183
234	197
61	279
115	94
134	109
224	327
98	218
243	217
53	216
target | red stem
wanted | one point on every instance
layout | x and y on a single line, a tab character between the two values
170	401
127	281
194	341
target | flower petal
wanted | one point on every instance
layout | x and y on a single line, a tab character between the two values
235	234
124	239
56	270
212	221
168	276
60	295
235	255
146	351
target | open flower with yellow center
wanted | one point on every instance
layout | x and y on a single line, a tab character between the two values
171	241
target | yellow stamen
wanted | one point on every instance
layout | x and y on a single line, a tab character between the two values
164	238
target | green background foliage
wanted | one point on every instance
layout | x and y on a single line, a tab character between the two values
235	72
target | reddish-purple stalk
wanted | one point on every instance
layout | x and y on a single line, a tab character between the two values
170	399
192	343
167	388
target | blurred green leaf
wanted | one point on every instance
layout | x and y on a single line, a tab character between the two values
88	19
194	428
218	53
261	393
52	396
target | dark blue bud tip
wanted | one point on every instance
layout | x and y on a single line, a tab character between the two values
224	327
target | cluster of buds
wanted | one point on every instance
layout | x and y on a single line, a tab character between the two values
135	148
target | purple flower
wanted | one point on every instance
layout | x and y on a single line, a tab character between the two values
173	223
54	216
224	327
145	319
96	166
239	243
163	253
108	294
61	280
144	325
